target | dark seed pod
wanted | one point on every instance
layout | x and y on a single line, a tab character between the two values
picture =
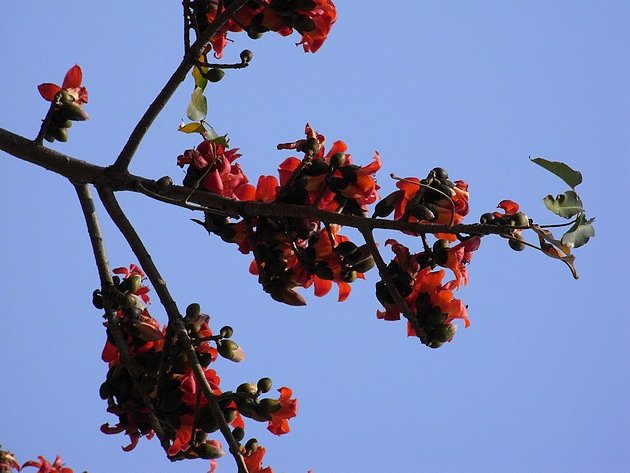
193	310
488	217
226	331
246	56
421	212
439	173
345	248
364	266
387	205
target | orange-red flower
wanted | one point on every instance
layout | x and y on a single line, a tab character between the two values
279	423
253	460
71	84
213	165
46	467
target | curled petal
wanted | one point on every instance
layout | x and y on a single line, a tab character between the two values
344	290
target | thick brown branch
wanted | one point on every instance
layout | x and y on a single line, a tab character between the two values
123	160
107	288
174	316
82	171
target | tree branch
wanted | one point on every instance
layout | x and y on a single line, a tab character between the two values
82	171
125	156
174	316
107	288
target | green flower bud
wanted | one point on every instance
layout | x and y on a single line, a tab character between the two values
74	112
248	388
226	331
264	385
238	434
131	284
230	350
193	310
214	74
269	406
516	245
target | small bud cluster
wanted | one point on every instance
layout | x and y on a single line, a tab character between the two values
434	199
511	217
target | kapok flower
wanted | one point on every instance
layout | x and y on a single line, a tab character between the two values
214	165
71	84
46	467
279	423
254	458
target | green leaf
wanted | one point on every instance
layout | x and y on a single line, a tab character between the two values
221	140
563	171
579	234
199	72
198	106
565	205
210	134
193	127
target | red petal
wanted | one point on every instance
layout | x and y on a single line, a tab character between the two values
73	78
266	188
344	291
322	286
48	90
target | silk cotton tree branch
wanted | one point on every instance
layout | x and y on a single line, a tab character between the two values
128	151
84	172
107	290
174	316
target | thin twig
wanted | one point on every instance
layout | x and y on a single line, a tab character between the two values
141	128
107	288
174	316
387	278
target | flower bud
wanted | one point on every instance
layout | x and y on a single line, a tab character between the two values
226	331
193	310
74	112
264	385
214	74
209	450
516	245
337	159
230	350
246	56
252	444
248	388
238	434
269	406
131	284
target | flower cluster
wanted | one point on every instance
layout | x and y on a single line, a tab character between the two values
8	463
437	200
67	104
151	381
511	217
429	299
313	19
292	252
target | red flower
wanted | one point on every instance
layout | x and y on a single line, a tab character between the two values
323	17
253	460
71	84
45	466
279	423
214	165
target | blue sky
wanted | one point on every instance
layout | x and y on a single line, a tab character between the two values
539	380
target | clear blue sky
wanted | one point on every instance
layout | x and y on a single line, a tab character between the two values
537	383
